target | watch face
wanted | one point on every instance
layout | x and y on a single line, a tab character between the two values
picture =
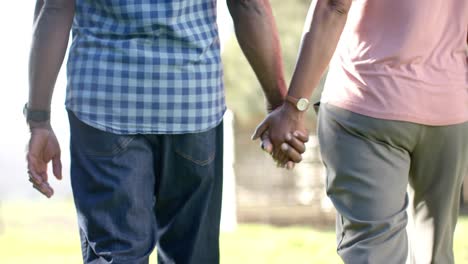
302	104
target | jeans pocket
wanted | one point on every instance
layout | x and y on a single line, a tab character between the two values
200	148
94	142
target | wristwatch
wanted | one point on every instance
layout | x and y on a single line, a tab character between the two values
301	104
35	115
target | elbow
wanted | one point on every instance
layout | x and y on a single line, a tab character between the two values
340	7
65	6
242	3
240	8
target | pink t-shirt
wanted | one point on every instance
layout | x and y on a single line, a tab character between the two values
403	60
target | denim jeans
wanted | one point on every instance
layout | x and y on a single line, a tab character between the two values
137	192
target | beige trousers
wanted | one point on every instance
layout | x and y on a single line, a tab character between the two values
371	164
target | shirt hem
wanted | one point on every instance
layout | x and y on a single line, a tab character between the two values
350	106
120	131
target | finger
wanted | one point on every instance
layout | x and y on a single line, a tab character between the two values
279	165
291	153
34	177
38	178
36	169
290	165
57	167
266	144
44	188
280	157
276	154
294	142
260	129
304	137
46	192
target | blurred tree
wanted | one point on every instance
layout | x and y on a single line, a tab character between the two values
244	95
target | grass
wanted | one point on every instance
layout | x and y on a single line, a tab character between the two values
45	232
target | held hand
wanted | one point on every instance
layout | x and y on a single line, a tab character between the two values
283	135
267	146
292	148
43	147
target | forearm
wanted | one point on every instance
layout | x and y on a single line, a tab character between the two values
258	38
318	45
52	25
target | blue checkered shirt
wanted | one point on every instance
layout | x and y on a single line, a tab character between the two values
146	66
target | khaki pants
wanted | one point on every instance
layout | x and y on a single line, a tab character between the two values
369	165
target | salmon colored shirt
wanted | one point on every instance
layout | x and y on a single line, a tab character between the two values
403	60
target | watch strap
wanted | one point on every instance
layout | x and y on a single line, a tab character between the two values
292	100
301	104
35	115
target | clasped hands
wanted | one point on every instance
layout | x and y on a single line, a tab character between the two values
283	135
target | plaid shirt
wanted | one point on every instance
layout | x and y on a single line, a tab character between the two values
146	66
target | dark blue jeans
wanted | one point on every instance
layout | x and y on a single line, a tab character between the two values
135	192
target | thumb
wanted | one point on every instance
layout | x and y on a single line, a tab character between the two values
266	143
260	129
57	167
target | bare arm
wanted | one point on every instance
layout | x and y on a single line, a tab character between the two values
258	38
52	23
53	19
318	45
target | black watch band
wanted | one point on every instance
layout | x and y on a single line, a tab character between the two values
35	115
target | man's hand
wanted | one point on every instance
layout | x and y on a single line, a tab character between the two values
283	135
297	139
43	147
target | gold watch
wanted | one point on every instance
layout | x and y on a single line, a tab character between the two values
301	104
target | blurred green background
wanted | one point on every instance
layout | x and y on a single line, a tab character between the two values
45	232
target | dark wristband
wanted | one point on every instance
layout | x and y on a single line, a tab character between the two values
35	115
